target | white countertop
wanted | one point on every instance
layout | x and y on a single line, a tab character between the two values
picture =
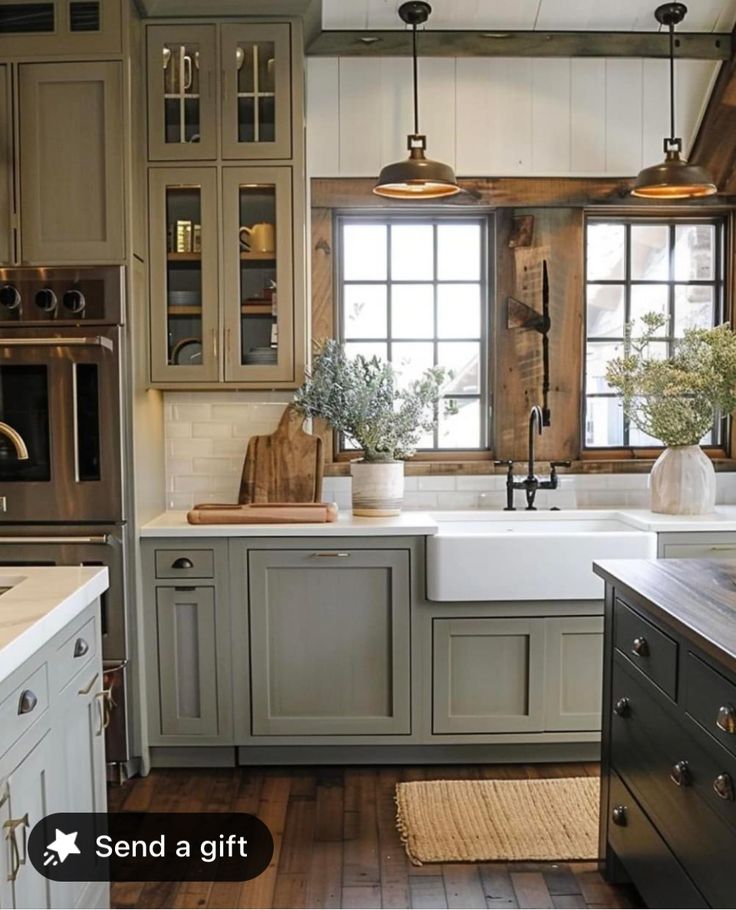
409	523
39	604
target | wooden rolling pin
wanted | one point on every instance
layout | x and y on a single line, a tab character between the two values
214	513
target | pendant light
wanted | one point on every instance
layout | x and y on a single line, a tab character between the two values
418	177
674	178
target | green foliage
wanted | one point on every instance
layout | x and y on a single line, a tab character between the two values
676	400
361	399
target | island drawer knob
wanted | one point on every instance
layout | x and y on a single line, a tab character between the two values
183	562
27	702
619	816
723	787
640	647
680	774
622	707
80	647
726	719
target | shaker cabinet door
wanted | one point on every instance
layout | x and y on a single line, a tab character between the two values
71	163
574	689
6	169
330	642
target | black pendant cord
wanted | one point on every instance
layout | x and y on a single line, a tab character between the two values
416	80
672	81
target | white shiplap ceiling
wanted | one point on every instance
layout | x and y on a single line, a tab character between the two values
537	15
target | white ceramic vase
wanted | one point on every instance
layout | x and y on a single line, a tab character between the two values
378	488
683	482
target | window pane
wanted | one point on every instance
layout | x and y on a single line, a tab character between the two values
365	310
598	355
461	430
458	252
412	252
412	311
463	359
605	316
366	349
411	359
364	254
606	252
650	257
694	308
458	310
639	438
695	252
649	298
604	422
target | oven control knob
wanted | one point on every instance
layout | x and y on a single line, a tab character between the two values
46	300
74	301
10	297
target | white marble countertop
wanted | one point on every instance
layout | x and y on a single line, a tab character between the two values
410	523
40	602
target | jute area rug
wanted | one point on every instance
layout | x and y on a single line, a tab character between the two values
442	821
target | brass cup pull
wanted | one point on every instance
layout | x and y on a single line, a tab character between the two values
680	774
182	562
726	719
80	647
622	708
619	816
27	701
17	859
723	787
640	647
105	705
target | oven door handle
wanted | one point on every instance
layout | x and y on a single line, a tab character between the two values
94	341
95	538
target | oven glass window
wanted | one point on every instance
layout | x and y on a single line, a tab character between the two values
88	422
24	405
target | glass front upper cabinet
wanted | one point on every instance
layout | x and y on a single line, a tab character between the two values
184	299
256	91
181	92
258	300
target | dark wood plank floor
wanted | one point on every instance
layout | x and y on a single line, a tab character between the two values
337	844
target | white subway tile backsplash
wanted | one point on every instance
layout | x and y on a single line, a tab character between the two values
184	448
436	484
211	430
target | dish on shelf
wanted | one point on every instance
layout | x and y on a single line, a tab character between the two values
185	298
187	352
260	355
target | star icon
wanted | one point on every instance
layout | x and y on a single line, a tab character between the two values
63	846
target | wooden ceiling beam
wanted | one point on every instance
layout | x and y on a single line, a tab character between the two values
715	144
500	43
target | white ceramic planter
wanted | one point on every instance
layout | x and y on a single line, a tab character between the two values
683	482
378	489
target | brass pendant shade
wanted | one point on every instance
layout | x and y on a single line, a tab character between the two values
674	178
417	177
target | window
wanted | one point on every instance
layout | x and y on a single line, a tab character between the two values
634	267
414	291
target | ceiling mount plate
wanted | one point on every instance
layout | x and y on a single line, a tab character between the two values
415	12
670	13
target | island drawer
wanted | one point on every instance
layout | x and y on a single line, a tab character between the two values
25	704
659	876
710	699
185	563
76	652
646	647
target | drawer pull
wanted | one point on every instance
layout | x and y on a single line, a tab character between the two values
640	647
16	858
80	647
622	708
183	562
331	555
27	701
619	816
680	774
726	719
723	787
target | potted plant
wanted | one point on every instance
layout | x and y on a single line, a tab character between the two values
677	400
361	399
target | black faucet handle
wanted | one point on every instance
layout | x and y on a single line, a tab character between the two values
560	464
505	463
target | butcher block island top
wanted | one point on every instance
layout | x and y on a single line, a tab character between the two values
695	597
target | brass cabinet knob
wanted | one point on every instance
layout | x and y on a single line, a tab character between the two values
619	816
680	774
726	719
640	647
622	707
723	787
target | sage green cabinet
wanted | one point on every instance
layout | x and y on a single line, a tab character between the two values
71	163
574	673
7	205
330	646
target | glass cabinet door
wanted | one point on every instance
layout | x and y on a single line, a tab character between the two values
256	107
184	298
181	92
258	286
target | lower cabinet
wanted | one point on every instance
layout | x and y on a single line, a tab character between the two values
330	641
516	675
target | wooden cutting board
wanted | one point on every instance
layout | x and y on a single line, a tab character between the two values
285	466
269	513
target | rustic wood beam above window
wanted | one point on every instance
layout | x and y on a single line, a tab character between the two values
499	43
